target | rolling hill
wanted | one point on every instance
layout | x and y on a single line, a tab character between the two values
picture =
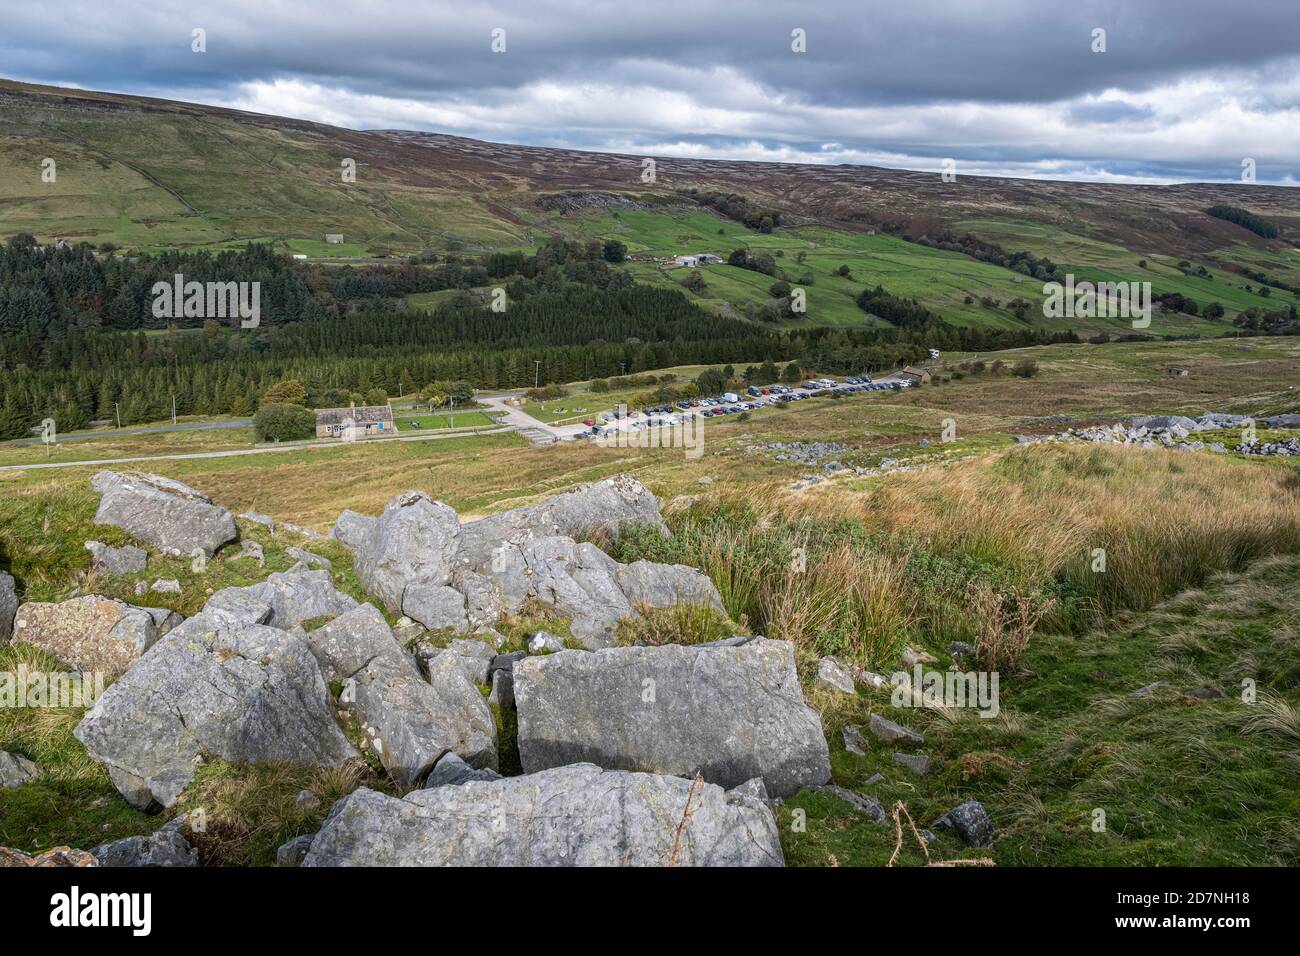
153	174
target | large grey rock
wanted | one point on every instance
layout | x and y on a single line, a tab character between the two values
436	606
1288	420
161	512
109	560
662	585
8	606
569	816
602	506
237	691
412	543
352	529
731	713
16	770
91	633
293	596
474	658
414	723
166	846
354	639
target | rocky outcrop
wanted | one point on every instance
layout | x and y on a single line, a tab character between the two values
569	816
414	723
602	506
163	513
91	633
291	596
237	691
8	606
421	562
108	560
729	712
411	544
662	585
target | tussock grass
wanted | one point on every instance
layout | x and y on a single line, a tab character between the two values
677	624
248	811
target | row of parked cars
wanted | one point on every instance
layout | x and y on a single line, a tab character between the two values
729	403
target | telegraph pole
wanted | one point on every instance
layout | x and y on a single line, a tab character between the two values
117	406
537	374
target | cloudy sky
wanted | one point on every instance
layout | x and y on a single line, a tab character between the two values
1185	89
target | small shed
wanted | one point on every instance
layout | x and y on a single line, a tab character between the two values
917	376
1175	371
334	238
368	421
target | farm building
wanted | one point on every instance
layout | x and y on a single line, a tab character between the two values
701	259
368	421
1175	371
917	376
334	238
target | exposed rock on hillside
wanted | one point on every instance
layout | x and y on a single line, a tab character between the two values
421	562
602	506
291	596
569	816
237	691
163	513
730	712
91	633
415	722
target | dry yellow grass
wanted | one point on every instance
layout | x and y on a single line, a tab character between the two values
1164	519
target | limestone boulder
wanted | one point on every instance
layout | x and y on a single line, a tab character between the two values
569	816
241	692
163	513
728	712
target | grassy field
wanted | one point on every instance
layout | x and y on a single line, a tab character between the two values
942	280
458	420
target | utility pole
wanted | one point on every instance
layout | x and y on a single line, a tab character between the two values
117	406
453	413
537	374
173	408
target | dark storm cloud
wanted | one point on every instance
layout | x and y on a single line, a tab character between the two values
721	70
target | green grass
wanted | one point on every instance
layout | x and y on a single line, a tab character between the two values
1182	782
459	420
